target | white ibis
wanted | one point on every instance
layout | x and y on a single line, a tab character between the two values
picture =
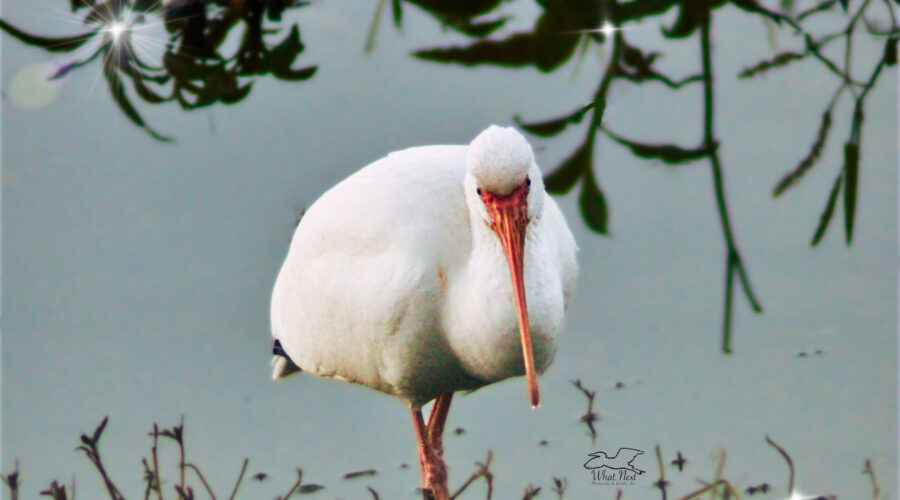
432	270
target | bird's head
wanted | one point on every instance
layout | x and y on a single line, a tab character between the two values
504	187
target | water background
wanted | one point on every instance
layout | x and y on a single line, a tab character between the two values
137	275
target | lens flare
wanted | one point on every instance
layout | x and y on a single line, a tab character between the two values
116	29
608	29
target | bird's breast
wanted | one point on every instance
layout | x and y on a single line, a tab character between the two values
480	319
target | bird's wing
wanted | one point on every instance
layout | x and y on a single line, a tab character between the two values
358	294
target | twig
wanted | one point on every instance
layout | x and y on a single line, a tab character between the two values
530	492
790	490
661	483
237	483
202	480
731	490
589	416
818	8
150	478
55	491
720	464
373	27
11	481
91	449
156	461
176	433
734	263
871	472
293	488
484	470
559	487
373	492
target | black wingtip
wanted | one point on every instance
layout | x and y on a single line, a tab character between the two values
282	369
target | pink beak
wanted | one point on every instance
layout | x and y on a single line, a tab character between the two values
509	218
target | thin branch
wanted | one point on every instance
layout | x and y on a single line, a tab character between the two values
90	447
790	463
531	492
293	488
871	472
559	487
11	481
202	479
734	261
589	416
484	470
661	483
237	484
713	486
720	465
818	8
153	452
373	27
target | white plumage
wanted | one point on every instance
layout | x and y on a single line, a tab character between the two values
396	280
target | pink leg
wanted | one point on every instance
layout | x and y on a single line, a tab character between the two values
431	447
434	473
436	421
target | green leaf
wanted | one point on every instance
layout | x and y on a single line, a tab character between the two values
295	74
513	51
890	51
141	88
753	6
118	94
806	163
844	4
668	153
552	43
564	177
593	204
147	6
61	44
397	10
555	38
480	29
553	126
280	58
689	16
825	218
80	4
781	59
851	173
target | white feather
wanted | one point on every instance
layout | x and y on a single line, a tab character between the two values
394	279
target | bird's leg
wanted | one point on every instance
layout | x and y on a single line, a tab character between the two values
422	444
434	474
436	421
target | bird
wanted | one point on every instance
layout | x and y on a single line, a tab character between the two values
620	461
433	270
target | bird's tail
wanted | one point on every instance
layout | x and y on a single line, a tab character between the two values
282	364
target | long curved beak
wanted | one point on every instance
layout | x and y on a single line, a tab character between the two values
509	219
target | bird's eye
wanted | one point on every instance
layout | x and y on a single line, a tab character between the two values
527	181
478	190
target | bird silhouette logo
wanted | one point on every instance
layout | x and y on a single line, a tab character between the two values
620	461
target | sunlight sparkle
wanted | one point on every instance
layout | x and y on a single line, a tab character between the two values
116	29
607	29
